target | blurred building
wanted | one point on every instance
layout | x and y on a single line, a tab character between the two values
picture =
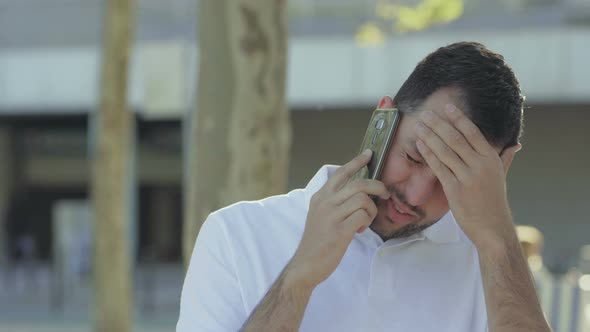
49	57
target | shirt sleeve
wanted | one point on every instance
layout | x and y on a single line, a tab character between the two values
211	299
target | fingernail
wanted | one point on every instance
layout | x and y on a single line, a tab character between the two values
367	152
450	108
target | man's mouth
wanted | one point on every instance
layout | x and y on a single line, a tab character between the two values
400	214
402	208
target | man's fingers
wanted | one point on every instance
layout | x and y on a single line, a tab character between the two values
450	135
441	150
357	202
469	130
356	221
345	172
369	187
442	172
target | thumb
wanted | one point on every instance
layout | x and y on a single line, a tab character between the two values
508	155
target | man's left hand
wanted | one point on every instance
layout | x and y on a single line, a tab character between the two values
472	173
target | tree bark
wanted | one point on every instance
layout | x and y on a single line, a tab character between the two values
111	169
241	134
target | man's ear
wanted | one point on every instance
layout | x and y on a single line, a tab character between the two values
508	155
386	102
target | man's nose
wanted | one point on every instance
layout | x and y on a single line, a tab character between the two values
420	188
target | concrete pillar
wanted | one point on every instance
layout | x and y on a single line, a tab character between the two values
6	184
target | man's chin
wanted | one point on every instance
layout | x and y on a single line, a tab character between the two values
397	232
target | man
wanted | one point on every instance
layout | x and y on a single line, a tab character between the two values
436	250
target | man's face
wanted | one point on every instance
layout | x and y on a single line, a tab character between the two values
416	191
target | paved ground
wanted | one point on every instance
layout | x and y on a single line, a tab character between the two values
73	327
32	299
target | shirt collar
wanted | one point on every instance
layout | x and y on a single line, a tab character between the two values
445	230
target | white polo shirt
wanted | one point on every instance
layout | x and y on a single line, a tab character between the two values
427	282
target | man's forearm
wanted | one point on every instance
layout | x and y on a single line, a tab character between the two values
511	299
282	308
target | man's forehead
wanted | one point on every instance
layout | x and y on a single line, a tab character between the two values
435	102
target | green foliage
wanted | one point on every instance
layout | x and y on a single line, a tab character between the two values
407	18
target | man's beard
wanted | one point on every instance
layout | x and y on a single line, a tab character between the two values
403	232
407	230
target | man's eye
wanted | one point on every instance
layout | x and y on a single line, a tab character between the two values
412	159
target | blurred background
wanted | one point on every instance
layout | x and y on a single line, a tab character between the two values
342	57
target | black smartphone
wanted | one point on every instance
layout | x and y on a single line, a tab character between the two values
378	138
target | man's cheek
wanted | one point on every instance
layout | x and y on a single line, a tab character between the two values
396	171
438	206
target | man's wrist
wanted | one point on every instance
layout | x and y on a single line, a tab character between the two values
295	282
494	248
497	240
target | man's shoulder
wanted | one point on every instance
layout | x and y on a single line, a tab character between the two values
280	218
293	200
265	216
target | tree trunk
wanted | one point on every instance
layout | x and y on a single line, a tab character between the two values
241	133
111	169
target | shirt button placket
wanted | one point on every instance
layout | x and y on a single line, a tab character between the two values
382	275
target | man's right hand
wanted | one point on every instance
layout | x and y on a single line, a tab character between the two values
336	212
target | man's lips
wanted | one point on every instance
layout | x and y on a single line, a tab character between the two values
401	207
397	217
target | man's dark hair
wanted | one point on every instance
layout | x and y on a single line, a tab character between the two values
488	90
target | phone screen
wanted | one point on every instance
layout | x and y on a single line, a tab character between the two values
378	138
